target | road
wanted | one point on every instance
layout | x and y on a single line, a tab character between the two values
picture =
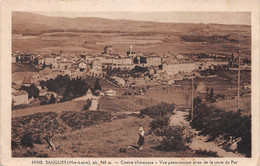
199	141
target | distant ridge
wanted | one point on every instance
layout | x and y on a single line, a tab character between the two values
23	22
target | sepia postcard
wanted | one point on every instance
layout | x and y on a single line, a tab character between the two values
130	82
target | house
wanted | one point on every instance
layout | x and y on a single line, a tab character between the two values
27	80
153	61
175	68
13	59
96	69
82	65
64	64
108	49
247	86
48	60
40	61
119	81
179	56
110	93
16	87
96	64
94	105
89	59
45	74
19	98
151	71
55	65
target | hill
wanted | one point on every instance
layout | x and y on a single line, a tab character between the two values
41	22
40	33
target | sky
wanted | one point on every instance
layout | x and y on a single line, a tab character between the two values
243	18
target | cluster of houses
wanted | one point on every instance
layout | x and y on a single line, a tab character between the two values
161	67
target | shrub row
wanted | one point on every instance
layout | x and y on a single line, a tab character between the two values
82	119
159	110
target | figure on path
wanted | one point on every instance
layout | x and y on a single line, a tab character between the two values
141	138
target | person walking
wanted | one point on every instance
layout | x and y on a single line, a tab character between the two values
141	138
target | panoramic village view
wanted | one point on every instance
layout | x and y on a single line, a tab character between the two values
96	87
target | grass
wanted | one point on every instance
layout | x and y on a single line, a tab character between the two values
58	108
231	105
16	67
125	103
110	139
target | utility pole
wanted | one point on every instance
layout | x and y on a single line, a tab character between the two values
238	82
137	104
191	116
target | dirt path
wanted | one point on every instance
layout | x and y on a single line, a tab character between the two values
199	141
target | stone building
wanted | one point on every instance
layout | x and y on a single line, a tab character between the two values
108	49
175	68
19	98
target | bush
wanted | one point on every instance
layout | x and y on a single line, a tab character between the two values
218	123
159	110
27	140
176	138
159	124
87	106
206	153
83	119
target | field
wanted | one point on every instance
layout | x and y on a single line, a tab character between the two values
56	34
19	71
231	105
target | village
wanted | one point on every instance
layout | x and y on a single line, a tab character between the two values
134	69
98	87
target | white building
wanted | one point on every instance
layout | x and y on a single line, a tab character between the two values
110	93
82	65
119	81
172	69
20	97
154	61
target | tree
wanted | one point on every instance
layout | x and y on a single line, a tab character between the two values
195	86
21	59
44	101
232	57
52	85
207	94
211	94
97	86
196	101
44	65
34	91
52	100
35	61
42	84
17	59
87	105
68	97
135	60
